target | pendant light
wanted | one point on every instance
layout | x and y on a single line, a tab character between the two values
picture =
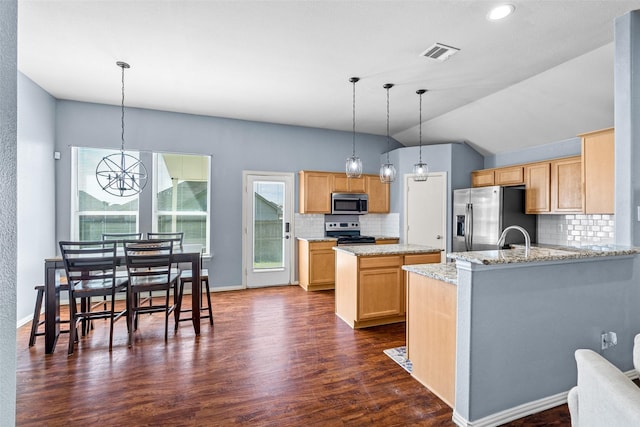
121	174
354	164
387	170
420	170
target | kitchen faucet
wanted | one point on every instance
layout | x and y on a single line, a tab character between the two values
527	239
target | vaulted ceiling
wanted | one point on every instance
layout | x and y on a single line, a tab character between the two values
541	75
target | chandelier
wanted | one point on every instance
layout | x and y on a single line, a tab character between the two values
420	170
121	174
387	170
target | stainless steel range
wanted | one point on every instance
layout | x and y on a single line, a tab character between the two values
347	233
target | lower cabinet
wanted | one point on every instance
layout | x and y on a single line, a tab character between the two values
316	265
370	290
431	334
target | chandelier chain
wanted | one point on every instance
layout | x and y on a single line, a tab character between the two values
388	87
354	80
420	127
122	111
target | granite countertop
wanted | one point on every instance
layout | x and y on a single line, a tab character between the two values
317	239
541	253
333	239
445	272
397	249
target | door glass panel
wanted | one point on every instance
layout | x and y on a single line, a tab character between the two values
268	225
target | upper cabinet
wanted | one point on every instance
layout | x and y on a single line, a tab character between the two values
511	175
315	192
537	178
598	171
566	185
316	188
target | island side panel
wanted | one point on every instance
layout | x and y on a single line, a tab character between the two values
431	334
520	324
346	287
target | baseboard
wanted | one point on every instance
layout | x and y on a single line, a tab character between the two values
523	410
514	413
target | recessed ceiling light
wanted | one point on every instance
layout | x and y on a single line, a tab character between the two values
500	12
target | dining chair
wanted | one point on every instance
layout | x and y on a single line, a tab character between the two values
187	277
149	268
91	271
175	237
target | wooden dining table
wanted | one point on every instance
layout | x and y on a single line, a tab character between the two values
188	254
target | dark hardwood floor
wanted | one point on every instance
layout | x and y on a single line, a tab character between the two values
275	357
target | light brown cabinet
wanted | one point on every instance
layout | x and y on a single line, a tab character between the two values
431	334
343	184
387	241
370	290
566	185
316	265
512	175
315	192
537	177
598	171
482	178
378	192
315	188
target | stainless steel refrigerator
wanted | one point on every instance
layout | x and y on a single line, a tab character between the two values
480	214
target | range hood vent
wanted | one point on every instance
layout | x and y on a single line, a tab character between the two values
439	52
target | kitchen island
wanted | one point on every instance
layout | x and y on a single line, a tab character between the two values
520	316
370	283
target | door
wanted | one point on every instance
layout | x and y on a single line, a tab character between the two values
267	223
426	211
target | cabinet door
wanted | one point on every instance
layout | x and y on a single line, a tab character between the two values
512	175
537	183
566	185
344	184
598	168
380	293
322	266
315	192
378	194
482	178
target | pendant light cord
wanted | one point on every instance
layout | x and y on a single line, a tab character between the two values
388	86
420	92
354	80
122	110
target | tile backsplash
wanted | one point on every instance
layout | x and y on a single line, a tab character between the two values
312	225
576	230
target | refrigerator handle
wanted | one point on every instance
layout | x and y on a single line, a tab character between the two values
467	226
470	227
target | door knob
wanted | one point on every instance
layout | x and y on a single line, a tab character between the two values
438	237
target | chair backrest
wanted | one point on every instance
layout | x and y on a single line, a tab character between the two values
176	237
148	258
95	260
121	237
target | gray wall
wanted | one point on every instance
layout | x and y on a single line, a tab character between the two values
8	189
520	324
234	145
36	190
627	124
456	159
565	148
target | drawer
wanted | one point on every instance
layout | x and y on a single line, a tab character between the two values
315	246
380	261
422	259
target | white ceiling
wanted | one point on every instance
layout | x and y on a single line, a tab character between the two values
542	75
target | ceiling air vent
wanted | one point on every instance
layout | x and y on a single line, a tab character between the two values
439	52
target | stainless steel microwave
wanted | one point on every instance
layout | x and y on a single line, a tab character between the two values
349	203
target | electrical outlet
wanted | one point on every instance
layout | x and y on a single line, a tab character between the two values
608	339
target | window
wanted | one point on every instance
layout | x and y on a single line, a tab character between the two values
95	211
180	185
181	190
